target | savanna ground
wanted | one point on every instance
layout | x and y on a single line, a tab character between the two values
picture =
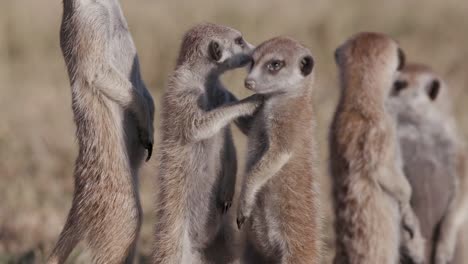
37	142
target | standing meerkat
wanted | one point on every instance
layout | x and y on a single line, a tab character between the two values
113	112
432	153
279	197
371	193
193	134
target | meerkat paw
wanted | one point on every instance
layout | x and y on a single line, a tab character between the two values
147	139
413	245
255	101
225	199
243	213
240	221
444	253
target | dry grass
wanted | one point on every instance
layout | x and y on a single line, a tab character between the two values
37	144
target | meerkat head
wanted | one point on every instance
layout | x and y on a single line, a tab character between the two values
279	65
220	47
418	84
370	57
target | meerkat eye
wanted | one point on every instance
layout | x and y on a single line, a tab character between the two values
399	85
275	65
240	41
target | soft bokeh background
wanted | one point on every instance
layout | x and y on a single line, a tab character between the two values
37	141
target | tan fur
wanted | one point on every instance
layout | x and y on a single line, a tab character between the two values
114	114
192	183
279	196
371	194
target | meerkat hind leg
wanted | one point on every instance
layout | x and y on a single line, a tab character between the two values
70	236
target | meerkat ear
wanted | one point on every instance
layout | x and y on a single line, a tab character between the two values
433	89
215	51
337	55
306	65
401	59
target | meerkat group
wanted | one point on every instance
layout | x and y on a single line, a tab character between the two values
397	163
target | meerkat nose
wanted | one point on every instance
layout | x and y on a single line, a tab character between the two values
249	84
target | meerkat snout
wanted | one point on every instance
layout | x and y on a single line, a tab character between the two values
231	52
249	84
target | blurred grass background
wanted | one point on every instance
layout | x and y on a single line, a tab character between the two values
37	141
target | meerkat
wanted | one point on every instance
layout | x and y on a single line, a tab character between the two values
371	193
279	197
113	112
431	150
193	135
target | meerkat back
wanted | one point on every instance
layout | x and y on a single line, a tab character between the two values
371	193
113	114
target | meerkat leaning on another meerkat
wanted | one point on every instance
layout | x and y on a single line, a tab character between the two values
431	152
371	193
279	196
113	112
193	135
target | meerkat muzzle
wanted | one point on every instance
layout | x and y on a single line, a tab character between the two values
249	84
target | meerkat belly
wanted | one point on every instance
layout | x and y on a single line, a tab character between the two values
101	140
289	194
204	219
266	230
123	52
434	178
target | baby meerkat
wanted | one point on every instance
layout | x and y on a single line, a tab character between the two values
431	150
371	193
113	113
193	138
279	198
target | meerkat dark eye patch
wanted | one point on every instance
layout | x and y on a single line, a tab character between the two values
433	90
274	66
398	86
306	65
401	59
215	51
240	41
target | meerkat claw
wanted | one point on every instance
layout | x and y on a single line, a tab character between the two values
226	207
240	222
150	151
